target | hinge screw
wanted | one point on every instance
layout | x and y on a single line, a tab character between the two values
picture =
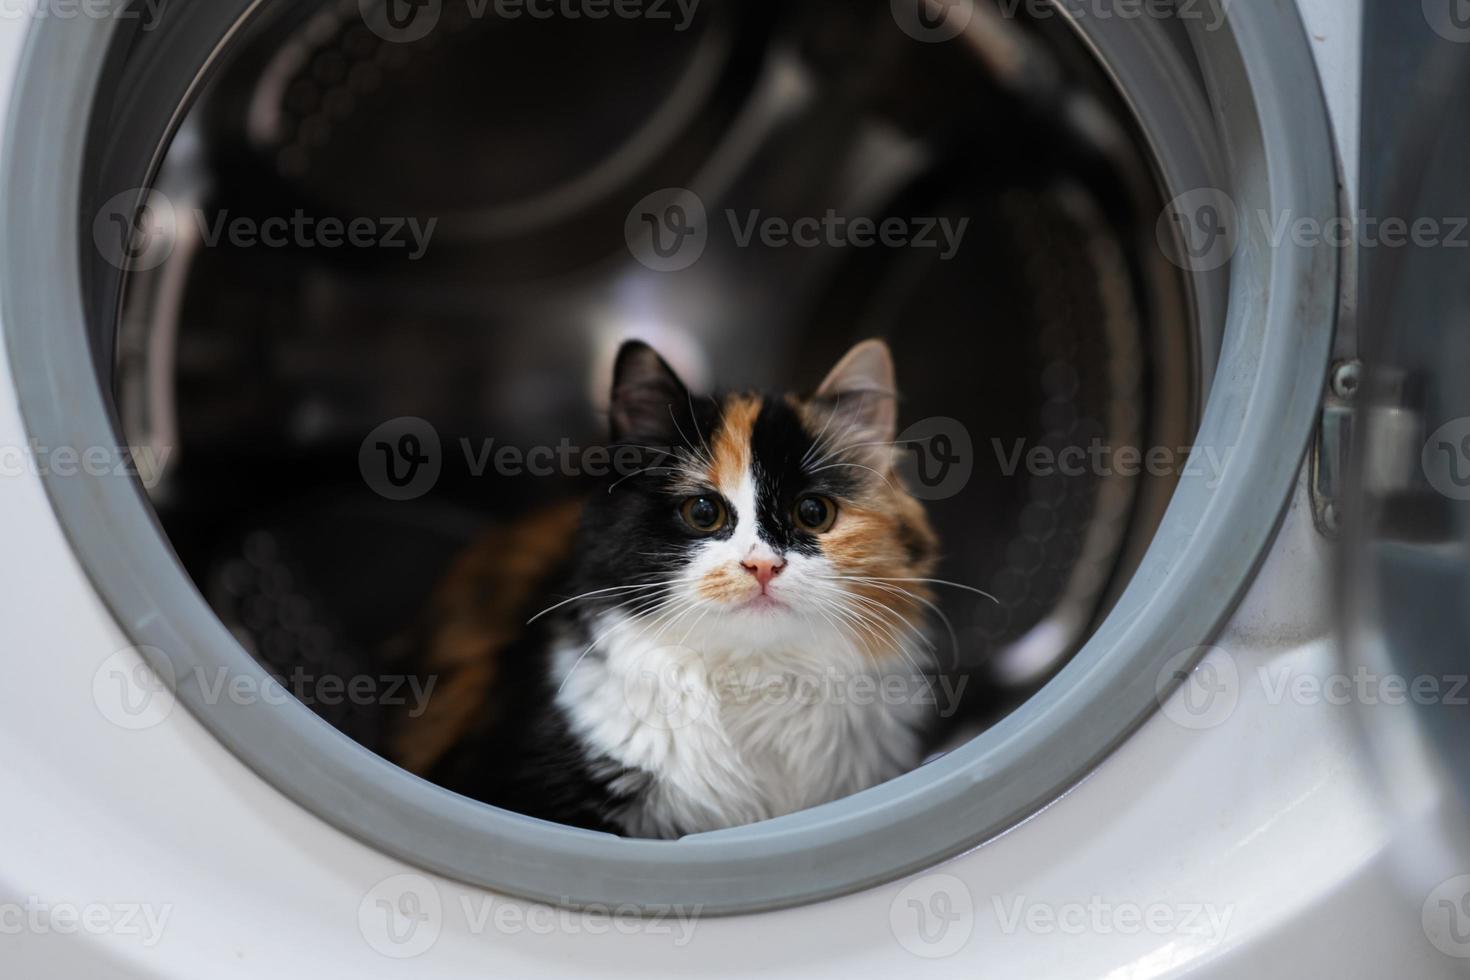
1347	379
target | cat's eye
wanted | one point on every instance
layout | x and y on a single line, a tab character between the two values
705	514
816	514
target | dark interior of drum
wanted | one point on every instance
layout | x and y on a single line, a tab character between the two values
528	141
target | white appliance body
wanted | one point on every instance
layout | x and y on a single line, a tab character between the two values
1254	844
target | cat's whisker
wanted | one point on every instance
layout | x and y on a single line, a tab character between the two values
899	645
694	420
838	628
586	650
954	640
648	609
879	624
859	466
845	612
689	632
588	595
817	442
899	648
637	473
688	608
613	590
835	443
886	610
840	443
926	581
708	460
832	444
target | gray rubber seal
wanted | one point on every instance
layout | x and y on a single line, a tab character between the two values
1251	106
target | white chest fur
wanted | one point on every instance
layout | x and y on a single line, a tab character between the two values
718	736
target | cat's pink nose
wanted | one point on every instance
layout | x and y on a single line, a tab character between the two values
764	569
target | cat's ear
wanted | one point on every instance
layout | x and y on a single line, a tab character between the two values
860	396
645	393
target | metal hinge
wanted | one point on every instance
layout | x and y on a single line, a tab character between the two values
1390	440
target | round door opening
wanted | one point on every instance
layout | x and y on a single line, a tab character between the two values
376	301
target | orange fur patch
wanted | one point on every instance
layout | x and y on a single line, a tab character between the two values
885	536
730	451
475	613
728	583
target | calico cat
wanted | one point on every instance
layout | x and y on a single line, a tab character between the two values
732	630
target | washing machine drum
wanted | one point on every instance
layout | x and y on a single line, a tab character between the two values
286	226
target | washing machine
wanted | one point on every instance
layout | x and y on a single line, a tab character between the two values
1177	302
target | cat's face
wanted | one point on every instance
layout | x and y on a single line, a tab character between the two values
770	520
